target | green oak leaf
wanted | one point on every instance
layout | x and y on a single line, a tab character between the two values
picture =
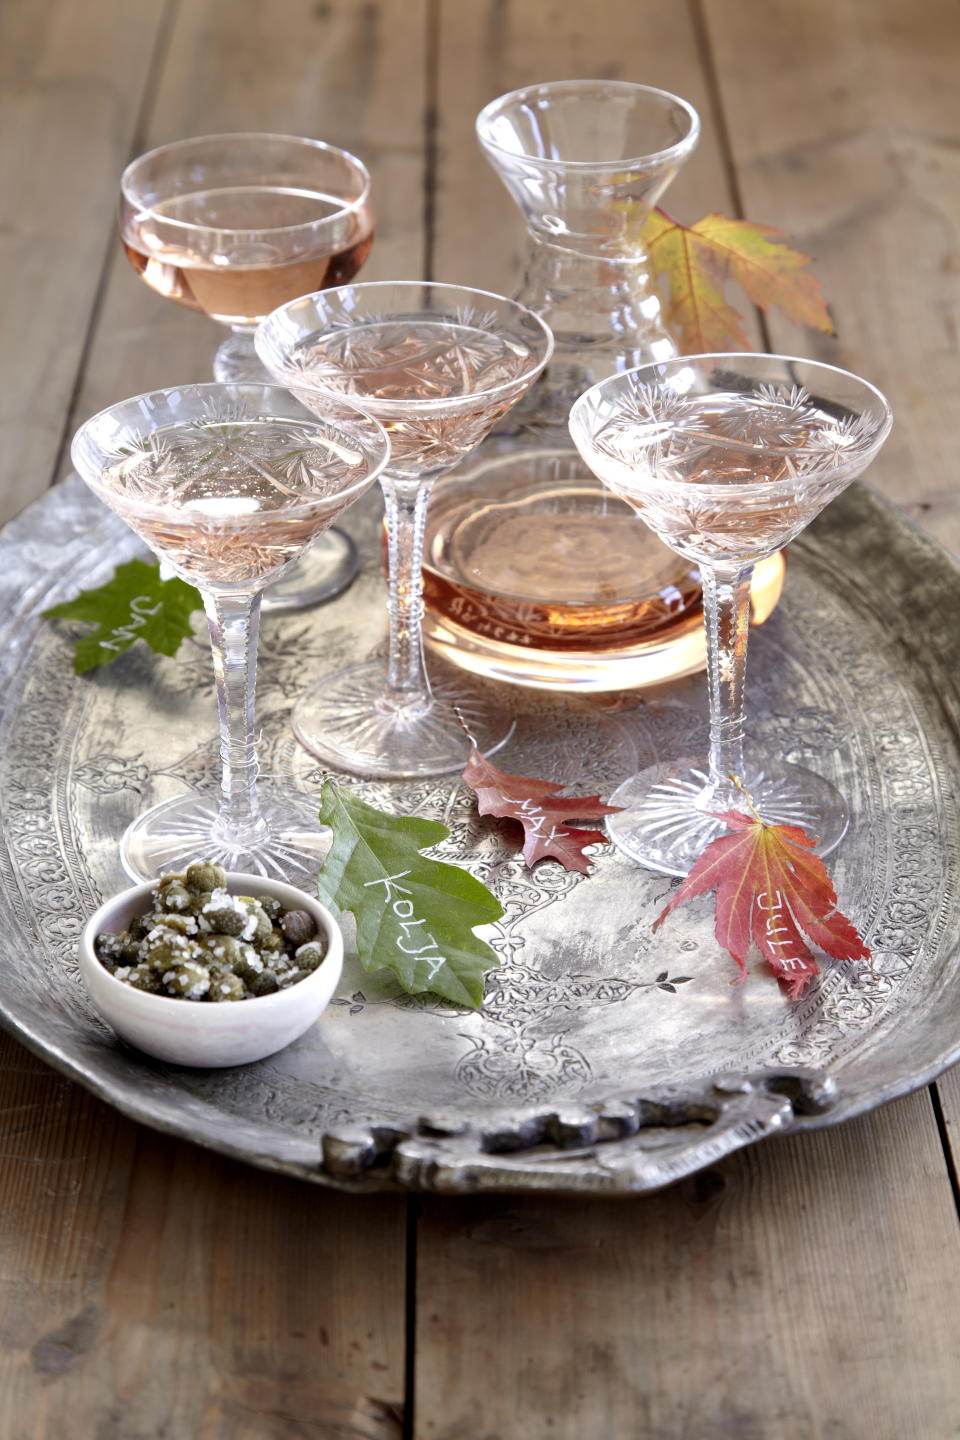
414	915
135	605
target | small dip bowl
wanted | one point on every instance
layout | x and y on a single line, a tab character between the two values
210	1034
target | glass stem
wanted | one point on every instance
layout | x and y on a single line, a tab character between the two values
234	625
406	509
726	613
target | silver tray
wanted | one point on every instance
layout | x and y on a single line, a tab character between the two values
605	1058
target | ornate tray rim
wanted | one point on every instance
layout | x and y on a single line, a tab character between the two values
605	1142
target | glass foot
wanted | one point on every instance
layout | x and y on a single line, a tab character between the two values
168	836
236	361
663	826
343	721
322	572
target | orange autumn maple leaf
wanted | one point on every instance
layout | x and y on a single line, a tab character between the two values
700	259
540	810
770	887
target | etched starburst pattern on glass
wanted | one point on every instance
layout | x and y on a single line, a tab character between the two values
727	458
436	365
228	484
676	456
230	501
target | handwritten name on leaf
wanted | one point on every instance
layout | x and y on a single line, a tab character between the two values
414	915
770	888
541	811
134	605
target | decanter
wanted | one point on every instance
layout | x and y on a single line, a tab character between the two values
534	572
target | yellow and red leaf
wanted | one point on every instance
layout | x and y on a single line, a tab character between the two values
699	260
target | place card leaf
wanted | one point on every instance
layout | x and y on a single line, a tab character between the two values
699	260
134	605
414	915
770	888
541	810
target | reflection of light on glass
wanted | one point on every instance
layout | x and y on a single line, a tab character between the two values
349	457
225	507
683	381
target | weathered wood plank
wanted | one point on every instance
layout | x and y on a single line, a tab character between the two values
488	48
948	1091
788	1293
351	74
846	130
71	79
800	1291
150	1288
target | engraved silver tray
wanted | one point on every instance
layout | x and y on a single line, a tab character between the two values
605	1058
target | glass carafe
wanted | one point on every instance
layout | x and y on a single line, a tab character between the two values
534	573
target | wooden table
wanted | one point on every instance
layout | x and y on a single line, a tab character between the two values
806	1288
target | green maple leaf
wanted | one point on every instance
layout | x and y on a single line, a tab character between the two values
700	259
135	605
414	915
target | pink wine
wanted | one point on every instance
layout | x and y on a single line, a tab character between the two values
229	503
238	278
437	386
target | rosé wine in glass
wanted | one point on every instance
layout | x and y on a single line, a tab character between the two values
727	458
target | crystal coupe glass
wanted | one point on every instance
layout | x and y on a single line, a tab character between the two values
233	225
228	484
437	365
727	458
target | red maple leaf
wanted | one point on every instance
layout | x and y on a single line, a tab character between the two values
770	887
540	810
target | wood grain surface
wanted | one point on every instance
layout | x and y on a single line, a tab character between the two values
804	1290
774	1295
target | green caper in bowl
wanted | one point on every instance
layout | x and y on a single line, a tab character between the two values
158	1021
197	941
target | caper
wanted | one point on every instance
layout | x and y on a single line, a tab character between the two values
224	949
250	966
264	926
225	913
199	942
228	987
142	977
203	876
163	948
298	926
110	949
308	957
190	979
177	924
265	983
273	943
172	894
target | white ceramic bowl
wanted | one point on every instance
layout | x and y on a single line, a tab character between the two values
188	1032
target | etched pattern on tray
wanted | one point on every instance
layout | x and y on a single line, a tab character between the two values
578	1008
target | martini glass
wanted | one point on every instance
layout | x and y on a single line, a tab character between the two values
437	365
727	458
227	484
234	225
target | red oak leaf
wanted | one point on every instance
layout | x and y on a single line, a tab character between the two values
770	887
540	810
